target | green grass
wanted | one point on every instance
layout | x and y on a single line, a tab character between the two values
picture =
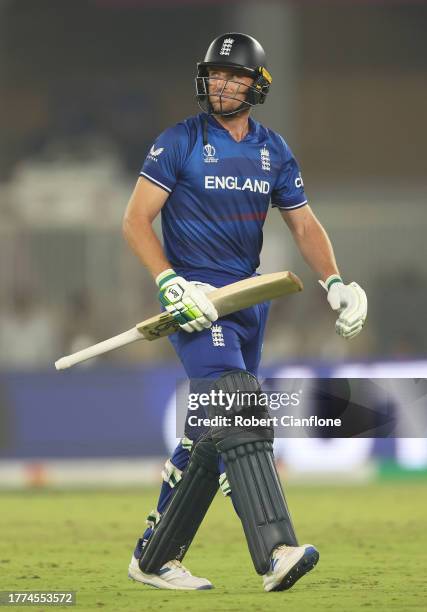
372	542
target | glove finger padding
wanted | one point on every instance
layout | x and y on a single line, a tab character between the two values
356	307
347	329
176	313
204	304
349	336
201	323
187	327
206	323
348	332
194	319
191	310
195	325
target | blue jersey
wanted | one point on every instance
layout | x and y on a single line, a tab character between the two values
220	191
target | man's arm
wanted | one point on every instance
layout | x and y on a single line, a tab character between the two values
312	240
187	303
144	205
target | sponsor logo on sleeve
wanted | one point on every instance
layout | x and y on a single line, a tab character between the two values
154	153
299	183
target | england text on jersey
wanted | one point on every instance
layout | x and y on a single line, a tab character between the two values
234	182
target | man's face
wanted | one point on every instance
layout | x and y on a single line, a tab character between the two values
227	88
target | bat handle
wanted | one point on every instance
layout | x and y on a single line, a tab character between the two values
127	337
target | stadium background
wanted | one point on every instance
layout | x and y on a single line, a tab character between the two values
85	88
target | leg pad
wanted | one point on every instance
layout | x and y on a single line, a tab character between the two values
191	499
258	497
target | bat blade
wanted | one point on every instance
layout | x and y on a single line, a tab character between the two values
229	299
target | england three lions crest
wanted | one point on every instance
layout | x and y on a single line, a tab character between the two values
227	45
265	158
217	335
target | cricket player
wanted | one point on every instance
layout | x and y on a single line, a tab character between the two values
213	177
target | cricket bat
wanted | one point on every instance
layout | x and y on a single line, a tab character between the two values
228	299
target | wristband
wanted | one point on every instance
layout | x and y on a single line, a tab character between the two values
165	276
334	278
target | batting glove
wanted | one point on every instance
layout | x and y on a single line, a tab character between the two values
350	302
186	301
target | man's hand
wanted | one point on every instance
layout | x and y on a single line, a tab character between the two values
186	301
351	303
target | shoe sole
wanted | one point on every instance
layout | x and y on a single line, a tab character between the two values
301	567
162	584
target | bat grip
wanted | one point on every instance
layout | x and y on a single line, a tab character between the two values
127	337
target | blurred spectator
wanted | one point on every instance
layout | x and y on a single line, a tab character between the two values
78	325
28	334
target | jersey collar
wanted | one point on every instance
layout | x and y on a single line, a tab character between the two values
212	122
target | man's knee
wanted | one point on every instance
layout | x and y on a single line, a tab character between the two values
237	401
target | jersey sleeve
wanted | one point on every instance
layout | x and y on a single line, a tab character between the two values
166	157
288	192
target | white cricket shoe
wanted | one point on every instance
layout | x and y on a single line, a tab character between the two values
288	564
172	575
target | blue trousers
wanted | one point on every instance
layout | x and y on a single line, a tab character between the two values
233	342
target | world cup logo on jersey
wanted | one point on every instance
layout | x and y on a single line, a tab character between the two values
209	154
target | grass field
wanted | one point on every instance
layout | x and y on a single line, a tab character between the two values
372	542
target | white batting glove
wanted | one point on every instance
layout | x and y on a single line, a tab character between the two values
186	301
350	302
